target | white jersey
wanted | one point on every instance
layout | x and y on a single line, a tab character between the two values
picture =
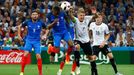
81	29
98	32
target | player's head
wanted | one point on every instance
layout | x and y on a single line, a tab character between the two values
81	14
55	10
34	15
98	18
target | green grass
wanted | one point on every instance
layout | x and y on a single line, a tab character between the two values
52	69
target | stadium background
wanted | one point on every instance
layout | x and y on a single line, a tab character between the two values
118	15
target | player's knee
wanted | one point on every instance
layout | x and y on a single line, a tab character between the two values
110	55
92	58
38	56
64	58
70	43
77	47
26	53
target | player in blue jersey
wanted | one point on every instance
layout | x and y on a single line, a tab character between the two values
34	27
57	22
76	52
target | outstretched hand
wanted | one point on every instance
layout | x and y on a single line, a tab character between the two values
70	11
93	10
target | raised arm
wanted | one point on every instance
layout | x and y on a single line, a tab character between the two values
71	15
52	24
19	29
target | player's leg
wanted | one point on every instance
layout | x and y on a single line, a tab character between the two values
28	48
93	65
56	47
52	54
68	39
107	51
62	63
91	57
96	51
76	62
23	62
37	49
39	63
69	50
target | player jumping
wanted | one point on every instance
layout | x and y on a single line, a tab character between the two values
57	22
82	38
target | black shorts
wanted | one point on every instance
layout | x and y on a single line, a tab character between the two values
86	47
105	50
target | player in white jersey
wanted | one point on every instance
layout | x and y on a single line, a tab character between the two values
100	35
82	38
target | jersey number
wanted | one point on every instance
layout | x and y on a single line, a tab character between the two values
98	33
58	24
34	30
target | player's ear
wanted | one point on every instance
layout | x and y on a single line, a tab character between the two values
38	15
31	16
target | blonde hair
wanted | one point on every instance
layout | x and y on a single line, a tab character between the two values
81	10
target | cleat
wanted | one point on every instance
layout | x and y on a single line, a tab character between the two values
21	73
72	73
77	70
118	73
58	73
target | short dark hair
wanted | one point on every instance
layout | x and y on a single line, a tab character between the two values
56	7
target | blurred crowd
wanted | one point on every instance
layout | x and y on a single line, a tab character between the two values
118	15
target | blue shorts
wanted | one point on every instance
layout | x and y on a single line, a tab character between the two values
71	31
32	44
59	36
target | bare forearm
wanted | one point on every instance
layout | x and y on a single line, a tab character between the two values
107	37
90	34
19	30
72	17
47	31
50	26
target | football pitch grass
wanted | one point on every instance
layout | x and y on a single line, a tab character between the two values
51	69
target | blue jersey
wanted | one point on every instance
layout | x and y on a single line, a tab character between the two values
34	29
61	25
70	28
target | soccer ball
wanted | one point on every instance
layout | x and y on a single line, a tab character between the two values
65	5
